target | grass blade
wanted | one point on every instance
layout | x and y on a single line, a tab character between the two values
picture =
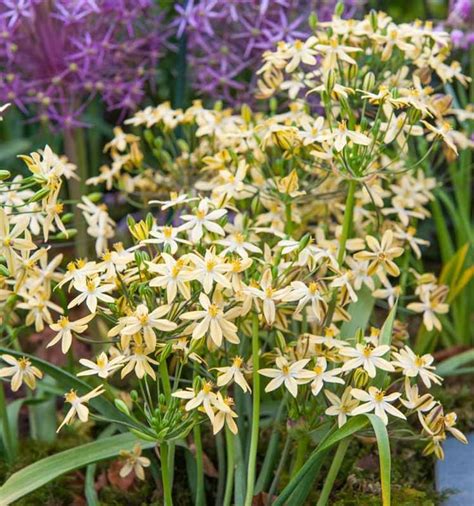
38	474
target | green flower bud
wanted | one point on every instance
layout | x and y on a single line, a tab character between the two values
330	81
373	19
313	21
134	395
339	10
121	406
39	195
361	378
4	174
67	218
369	82
95	197
69	234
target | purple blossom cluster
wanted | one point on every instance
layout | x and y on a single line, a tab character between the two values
461	23
226	39
56	55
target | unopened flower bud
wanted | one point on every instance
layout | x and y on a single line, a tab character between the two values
67	218
352	71
330	81
95	197
373	19
313	21
246	113
39	195
134	395
361	378
4	174
121	406
339	10
369	82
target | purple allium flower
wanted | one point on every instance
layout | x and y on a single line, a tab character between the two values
226	39
461	22
56	55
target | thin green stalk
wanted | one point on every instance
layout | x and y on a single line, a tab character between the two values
271	452
345	234
165	474
200	498
221	468
289	222
281	465
252	465
229	482
165	379
7	434
301	450
333	472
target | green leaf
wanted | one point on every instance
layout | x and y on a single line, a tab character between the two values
67	381
451	365
386	339
38	474
385	458
315	460
360	312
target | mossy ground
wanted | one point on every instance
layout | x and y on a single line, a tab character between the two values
357	483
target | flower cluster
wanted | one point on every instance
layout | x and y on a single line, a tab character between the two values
58	55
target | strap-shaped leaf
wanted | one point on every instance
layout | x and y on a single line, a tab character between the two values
386	338
301	481
38	474
360	312
385	458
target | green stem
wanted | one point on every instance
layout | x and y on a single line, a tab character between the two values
200	499
289	222
333	471
229	482
7	434
345	234
301	449
165	474
281	465
252	466
165	380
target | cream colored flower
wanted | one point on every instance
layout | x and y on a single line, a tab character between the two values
268	295
92	291
226	417
203	220
413	365
340	406
139	361
20	370
321	375
65	328
78	405
210	270
233	373
174	275
213	320
141	321
134	462
368	357
205	397
103	367
288	374
382	254
376	400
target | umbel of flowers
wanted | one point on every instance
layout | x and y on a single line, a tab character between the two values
257	281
